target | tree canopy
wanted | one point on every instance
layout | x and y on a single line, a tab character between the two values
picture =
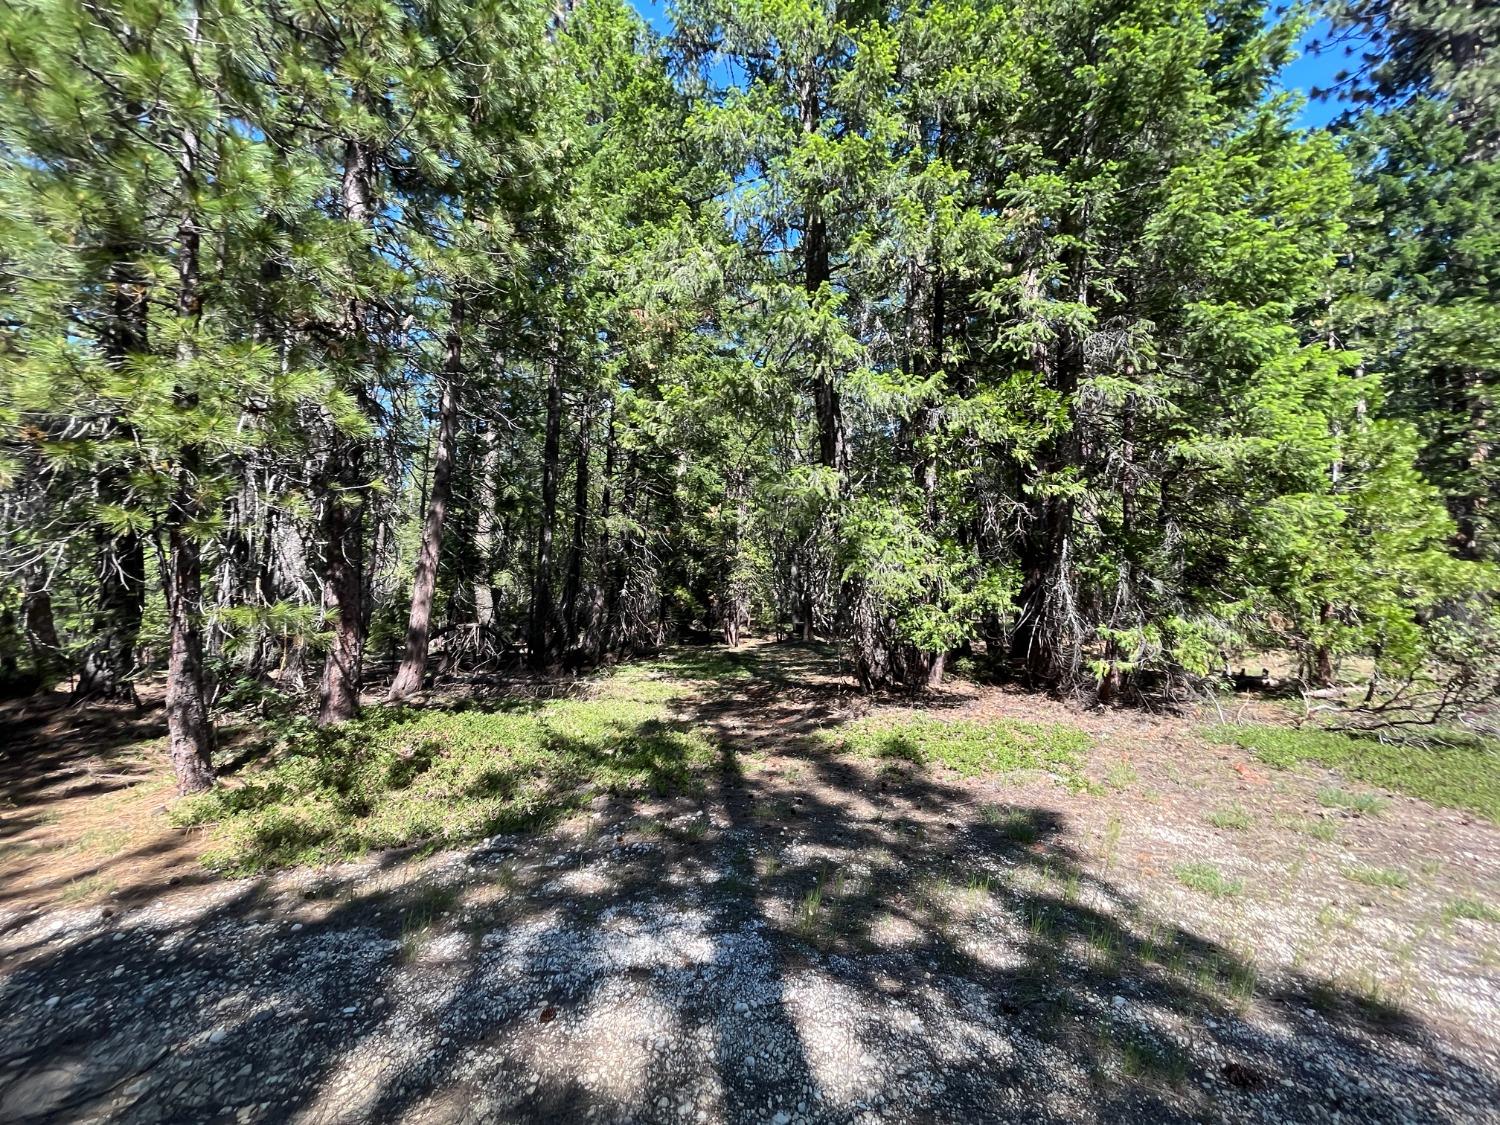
348	344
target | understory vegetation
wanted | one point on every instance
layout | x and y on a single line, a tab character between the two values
399	776
1455	768
351	348
969	747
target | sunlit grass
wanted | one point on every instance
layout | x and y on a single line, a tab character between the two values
1457	769
968	746
400	776
1207	879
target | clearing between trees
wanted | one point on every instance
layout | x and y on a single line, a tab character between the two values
724	885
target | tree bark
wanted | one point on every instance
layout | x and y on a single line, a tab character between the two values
41	625
542	640
190	734
1046	639
484	536
343	509
573	583
598	640
419	623
1322	655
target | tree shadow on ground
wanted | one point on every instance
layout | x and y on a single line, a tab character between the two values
768	949
51	746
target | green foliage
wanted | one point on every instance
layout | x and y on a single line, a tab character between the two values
1447	767
970	747
399	777
1037	335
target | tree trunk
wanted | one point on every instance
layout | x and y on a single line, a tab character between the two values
343	587
1047	638
816	271
190	734
343	505
419	623
542	640
831	450
1470	509
598	639
189	731
1322	654
573	583
41	626
484	537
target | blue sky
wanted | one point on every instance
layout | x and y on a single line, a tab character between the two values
1305	73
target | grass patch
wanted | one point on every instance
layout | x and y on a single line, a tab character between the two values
971	748
1207	879
421	912
1121	775
1316	827
1471	909
1112	832
1360	804
1379	876
1231	817
399	776
1456	769
808	921
712	664
90	886
102	842
1147	1060
1015	825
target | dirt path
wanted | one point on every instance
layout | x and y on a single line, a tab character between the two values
814	938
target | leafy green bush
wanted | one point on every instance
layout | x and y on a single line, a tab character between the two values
1455	768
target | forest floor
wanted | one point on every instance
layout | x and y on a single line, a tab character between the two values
819	921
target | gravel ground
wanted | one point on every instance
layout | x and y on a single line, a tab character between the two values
806	941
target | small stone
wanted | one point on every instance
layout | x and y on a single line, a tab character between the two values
349	1011
296	926
739	1006
53	1001
217	1035
1118	1001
